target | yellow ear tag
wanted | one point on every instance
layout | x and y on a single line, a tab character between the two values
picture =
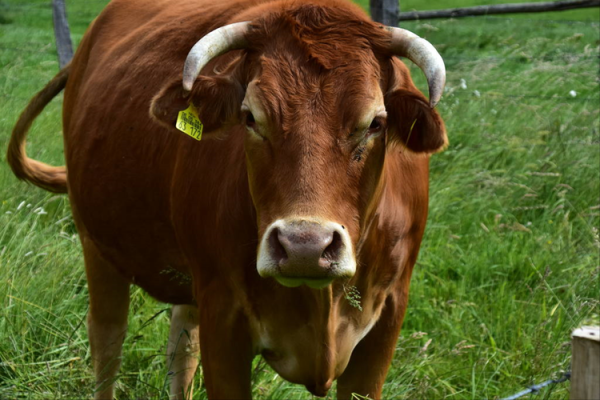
189	123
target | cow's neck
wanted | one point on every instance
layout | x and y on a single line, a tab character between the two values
308	335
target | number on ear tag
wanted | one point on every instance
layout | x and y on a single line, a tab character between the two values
189	123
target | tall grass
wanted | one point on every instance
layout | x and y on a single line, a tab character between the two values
510	260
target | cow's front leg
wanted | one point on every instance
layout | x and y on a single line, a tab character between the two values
225	347
107	318
183	350
370	360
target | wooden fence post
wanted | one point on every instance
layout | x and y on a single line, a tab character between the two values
585	364
385	11
62	34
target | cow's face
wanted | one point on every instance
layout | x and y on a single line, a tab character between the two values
315	144
317	118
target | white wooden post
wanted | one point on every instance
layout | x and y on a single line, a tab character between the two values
585	364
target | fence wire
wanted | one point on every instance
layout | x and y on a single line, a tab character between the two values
490	18
534	389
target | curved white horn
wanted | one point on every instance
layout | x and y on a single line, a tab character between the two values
220	41
425	56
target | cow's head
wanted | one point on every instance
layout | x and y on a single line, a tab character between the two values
320	98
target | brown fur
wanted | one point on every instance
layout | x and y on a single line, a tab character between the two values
153	206
45	176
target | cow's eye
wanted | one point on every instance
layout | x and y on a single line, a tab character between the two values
250	121
376	126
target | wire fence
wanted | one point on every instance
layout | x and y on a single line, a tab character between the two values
535	389
490	18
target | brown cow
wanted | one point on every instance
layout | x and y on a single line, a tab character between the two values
310	182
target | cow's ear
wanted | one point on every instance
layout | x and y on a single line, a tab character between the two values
217	100
414	123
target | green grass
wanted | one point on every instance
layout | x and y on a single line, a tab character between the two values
510	260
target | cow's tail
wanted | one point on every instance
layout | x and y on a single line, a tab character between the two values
47	177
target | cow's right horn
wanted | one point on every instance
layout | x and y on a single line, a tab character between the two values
220	41
418	50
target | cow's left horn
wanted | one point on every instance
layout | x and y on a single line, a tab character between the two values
425	56
220	41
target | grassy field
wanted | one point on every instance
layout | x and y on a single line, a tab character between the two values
510	260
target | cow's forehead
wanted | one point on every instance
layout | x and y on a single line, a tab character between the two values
285	88
330	36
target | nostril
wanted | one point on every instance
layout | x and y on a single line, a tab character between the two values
333	251
276	249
